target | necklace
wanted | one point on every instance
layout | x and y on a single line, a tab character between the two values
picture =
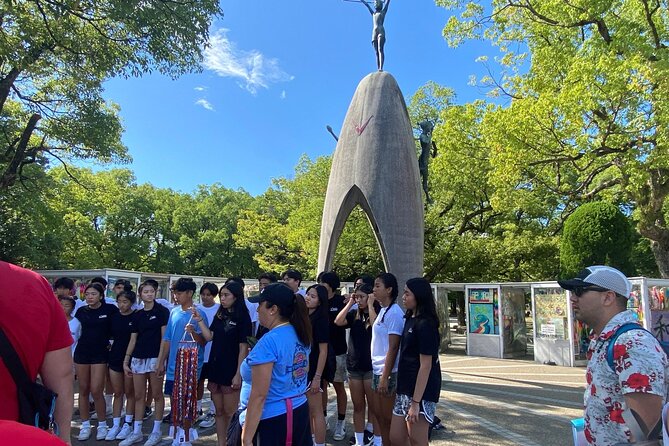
280	325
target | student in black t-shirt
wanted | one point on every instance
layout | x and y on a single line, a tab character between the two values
359	356
141	361
91	356
228	333
330	281
419	372
321	370
121	329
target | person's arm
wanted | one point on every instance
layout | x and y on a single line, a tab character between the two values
128	354
243	352
164	353
340	320
56	373
649	408
419	388
261	375
207	335
371	11
393	348
370	308
320	365
385	8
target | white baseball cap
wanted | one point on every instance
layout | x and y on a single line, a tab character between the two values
601	276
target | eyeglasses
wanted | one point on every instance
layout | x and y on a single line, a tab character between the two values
580	290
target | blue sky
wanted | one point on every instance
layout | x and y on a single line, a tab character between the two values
276	74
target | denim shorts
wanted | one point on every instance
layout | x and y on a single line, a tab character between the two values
359	376
392	382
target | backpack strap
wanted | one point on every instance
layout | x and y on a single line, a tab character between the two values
612	341
12	361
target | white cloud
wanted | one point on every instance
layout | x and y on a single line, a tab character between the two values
253	68
205	103
200	88
283	94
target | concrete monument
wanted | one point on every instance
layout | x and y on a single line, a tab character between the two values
375	166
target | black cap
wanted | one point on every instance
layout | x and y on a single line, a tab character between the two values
276	293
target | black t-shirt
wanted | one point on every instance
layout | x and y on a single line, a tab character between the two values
359	355
121	328
147	325
420	337
337	334
95	328
320	329
229	331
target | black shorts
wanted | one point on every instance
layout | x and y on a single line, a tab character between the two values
101	357
116	366
272	431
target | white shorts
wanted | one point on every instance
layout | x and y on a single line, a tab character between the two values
140	366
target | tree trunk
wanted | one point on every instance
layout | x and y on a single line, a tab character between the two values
661	252
10	175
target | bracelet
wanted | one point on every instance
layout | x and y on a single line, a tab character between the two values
317	374
414	401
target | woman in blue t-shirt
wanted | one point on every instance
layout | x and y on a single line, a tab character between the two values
278	366
419	373
228	331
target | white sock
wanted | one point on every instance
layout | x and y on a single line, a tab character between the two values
137	428
117	422
102	424
319	444
359	438
377	440
369	427
128	419
86	423
156	425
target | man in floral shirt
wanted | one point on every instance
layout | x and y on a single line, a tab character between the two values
641	379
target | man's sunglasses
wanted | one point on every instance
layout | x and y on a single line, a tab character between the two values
581	290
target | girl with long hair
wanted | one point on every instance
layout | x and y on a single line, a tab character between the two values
91	356
386	333
228	332
141	361
359	356
321	369
278	366
121	331
419	373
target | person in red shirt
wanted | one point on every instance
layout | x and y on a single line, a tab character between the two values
34	322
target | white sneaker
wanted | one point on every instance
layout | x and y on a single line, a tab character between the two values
84	433
126	430
132	439
102	433
340	431
208	421
154	439
112	433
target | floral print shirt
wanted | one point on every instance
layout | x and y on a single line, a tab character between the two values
641	366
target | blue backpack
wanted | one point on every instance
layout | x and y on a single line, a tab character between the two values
624	329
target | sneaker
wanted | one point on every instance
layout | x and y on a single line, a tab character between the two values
147	412
112	433
368	438
84	433
132	439
340	431
125	432
167	418
208	421
154	439
102	433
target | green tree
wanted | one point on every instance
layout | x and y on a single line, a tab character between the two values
54	57
587	84
596	233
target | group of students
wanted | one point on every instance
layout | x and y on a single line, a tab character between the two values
267	360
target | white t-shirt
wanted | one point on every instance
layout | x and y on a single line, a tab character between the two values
78	303
393	324
253	311
75	330
211	313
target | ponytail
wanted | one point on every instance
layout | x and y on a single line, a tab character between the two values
299	319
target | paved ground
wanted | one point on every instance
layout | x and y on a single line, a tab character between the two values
485	402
